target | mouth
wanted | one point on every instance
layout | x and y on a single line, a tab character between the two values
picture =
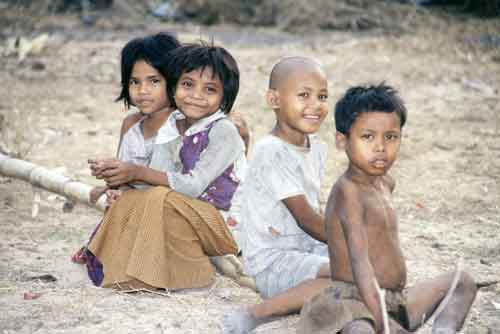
144	103
379	163
313	118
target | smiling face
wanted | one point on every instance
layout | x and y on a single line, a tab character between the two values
300	103
373	142
147	88
198	94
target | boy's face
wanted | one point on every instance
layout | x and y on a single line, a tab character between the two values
301	102
147	88
198	94
373	142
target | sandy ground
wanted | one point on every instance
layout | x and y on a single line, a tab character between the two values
60	101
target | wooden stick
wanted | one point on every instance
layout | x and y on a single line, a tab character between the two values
452	288
48	180
383	306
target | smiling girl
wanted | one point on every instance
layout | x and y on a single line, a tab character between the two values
162	237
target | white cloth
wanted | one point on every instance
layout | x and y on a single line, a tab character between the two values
279	170
134	148
225	147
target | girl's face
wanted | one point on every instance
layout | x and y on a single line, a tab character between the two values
198	94
147	88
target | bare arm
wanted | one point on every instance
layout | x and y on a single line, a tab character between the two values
351	214
307	219
115	172
127	123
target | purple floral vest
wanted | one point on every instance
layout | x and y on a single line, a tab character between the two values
220	192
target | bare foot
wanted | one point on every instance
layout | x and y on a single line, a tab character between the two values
239	322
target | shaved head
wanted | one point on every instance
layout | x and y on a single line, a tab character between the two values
287	66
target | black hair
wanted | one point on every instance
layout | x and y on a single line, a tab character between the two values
192	57
153	49
359	99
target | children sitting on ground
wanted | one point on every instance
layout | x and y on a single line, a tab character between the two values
143	80
281	217
363	236
161	237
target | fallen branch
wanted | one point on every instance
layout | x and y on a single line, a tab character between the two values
46	179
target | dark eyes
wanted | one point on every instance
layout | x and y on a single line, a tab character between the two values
367	136
153	81
305	95
392	137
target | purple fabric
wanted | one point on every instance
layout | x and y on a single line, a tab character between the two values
220	192
94	266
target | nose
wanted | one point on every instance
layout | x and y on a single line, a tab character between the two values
316	104
196	94
380	145
144	88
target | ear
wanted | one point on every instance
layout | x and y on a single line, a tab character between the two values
273	98
340	140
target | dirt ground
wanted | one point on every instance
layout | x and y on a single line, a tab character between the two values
57	110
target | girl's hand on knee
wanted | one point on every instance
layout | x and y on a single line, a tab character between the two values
95	193
112	195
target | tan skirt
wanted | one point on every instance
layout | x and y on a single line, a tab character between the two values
161	239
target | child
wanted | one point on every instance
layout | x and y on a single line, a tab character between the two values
144	87
280	212
363	233
162	237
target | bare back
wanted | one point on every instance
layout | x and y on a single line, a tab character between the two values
363	214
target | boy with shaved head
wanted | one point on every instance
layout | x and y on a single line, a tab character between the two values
284	232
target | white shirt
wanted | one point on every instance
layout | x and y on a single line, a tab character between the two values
278	170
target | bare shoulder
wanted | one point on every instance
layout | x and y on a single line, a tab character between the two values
345	195
129	121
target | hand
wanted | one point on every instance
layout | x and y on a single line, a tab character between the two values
113	171
240	122
112	195
95	193
97	167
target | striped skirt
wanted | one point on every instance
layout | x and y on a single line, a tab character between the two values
159	238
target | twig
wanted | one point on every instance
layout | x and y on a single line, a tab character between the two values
383	307
452	288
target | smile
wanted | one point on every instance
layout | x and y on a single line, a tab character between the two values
312	117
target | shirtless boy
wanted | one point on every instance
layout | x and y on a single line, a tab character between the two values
362	231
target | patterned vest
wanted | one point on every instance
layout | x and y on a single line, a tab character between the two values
220	192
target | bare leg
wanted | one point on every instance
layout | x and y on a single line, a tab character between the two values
422	305
290	301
